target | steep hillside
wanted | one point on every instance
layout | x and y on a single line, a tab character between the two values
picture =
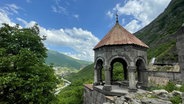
159	34
73	93
59	59
85	74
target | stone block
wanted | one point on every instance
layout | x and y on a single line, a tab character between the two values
107	88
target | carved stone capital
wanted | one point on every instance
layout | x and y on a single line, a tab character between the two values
107	67
131	68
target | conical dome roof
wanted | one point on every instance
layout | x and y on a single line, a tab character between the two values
119	36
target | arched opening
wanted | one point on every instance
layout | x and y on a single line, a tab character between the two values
119	72
140	66
99	68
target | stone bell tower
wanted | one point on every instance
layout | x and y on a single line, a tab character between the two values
121	46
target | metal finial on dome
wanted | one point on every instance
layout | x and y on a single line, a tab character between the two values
116	17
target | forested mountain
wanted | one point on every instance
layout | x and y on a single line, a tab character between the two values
59	59
160	33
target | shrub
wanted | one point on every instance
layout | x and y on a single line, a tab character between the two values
170	87
176	99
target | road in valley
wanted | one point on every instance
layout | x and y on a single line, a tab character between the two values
66	83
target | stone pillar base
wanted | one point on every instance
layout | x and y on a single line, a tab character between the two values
132	90
107	88
96	83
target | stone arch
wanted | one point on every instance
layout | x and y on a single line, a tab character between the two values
124	62
140	69
124	57
99	58
140	58
99	63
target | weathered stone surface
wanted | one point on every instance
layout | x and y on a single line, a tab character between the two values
136	101
94	97
182	97
175	93
144	97
180	49
160	92
154	101
128	98
178	85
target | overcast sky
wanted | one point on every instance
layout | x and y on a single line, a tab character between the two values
74	27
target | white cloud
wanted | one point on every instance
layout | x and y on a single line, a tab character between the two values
61	7
57	8
133	26
7	10
26	24
77	39
142	11
80	40
76	16
11	8
110	14
28	1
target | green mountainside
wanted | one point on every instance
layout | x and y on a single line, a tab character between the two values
159	35
59	59
73	93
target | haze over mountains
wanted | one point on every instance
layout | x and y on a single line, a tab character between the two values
59	59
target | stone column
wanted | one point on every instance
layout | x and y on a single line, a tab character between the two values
132	82
107	86
180	49
145	79
95	76
100	75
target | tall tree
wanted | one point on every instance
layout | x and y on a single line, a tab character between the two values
24	76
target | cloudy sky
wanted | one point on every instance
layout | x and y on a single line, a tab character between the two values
74	27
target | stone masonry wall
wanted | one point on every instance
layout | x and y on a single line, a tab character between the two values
180	49
129	52
94	97
162	78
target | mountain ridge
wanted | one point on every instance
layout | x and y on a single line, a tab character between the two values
62	60
159	35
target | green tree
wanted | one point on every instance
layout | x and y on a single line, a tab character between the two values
24	76
118	72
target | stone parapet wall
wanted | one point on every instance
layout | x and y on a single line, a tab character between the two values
162	78
94	97
140	97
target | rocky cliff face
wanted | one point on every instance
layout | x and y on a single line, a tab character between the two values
142	97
